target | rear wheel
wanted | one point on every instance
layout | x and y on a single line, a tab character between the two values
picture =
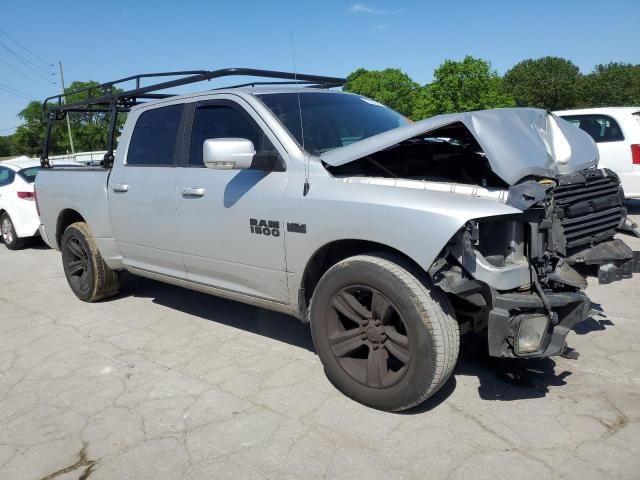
9	235
385	338
87	274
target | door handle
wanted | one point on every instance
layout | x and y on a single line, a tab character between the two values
193	192
120	188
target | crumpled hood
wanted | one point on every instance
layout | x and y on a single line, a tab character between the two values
518	142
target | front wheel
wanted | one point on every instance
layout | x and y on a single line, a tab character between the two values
87	274
385	338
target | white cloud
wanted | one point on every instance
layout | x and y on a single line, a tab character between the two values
362	8
380	27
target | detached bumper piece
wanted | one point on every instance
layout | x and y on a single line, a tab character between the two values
519	325
614	261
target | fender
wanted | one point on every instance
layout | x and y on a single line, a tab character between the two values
414	221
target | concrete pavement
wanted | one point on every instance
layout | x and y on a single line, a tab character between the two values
162	382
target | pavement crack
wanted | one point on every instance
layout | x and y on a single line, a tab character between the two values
83	462
619	423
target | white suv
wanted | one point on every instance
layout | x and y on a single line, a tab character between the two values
616	131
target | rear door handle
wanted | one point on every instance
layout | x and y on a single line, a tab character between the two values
193	192
120	188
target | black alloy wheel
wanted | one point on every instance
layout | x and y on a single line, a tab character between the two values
386	336
368	336
77	265
88	275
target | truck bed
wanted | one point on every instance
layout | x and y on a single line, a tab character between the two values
60	191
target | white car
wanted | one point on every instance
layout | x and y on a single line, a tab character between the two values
18	213
616	131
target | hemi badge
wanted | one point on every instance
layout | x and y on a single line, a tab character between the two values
297	227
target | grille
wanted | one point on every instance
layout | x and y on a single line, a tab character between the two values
589	207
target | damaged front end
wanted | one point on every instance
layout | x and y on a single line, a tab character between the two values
516	278
519	279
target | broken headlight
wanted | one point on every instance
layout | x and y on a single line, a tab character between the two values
531	333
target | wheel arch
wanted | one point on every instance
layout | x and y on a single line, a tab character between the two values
65	218
5	210
335	251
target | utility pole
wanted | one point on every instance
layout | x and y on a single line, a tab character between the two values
73	151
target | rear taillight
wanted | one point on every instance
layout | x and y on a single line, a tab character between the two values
27	195
635	154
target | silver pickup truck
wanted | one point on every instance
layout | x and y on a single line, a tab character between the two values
390	238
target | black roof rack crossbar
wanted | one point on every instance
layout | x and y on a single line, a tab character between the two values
110	98
107	93
292	82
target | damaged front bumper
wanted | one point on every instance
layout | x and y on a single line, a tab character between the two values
571	239
520	326
519	279
536	323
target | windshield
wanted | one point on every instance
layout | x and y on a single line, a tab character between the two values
331	120
29	174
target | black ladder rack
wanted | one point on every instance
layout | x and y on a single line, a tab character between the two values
108	98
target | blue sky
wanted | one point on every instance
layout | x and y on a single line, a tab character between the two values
107	40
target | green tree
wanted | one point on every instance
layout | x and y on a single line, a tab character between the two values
89	130
458	86
551	83
614	84
6	146
464	86
424	104
28	138
390	87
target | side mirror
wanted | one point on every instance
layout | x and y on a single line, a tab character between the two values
228	153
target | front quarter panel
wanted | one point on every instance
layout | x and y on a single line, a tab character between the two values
418	223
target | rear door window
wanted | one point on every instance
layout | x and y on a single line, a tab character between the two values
602	128
154	138
6	176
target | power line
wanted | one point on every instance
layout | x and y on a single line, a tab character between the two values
11	128
22	73
49	64
25	59
17	91
14	93
34	70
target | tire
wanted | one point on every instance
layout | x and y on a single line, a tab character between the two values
399	355
9	236
87	274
